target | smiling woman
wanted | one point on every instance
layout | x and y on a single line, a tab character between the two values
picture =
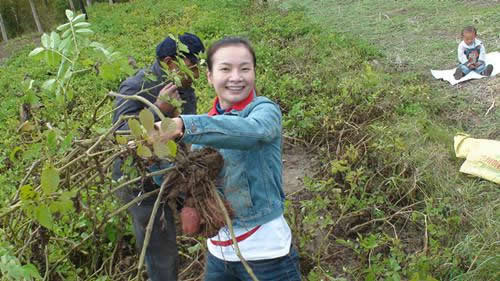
231	72
246	130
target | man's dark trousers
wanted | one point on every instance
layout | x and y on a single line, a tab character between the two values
161	254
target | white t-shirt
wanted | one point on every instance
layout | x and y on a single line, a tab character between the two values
462	58
268	241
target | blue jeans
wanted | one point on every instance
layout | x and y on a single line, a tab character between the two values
479	69
284	268
161	254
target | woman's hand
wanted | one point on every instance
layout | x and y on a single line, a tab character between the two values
172	132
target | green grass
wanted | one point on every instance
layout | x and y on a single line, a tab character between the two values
423	34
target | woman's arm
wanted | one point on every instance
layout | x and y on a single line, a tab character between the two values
262	125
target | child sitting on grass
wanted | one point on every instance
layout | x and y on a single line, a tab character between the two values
471	55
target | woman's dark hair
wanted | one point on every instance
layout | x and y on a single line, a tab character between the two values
229	41
469	28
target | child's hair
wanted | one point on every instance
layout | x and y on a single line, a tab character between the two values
469	28
229	41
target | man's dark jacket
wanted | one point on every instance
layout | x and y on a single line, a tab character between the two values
135	84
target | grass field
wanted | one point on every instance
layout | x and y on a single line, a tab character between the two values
420	34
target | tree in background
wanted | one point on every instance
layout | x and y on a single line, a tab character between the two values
71	5
4	31
35	16
24	16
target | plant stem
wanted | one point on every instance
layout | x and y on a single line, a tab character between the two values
233	237
141	99
149	228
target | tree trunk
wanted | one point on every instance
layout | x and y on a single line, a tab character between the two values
71	5
35	16
82	6
89	2
4	31
110	2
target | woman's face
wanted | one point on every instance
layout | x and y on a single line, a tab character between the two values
232	74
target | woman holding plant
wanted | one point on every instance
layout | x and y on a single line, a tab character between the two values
246	130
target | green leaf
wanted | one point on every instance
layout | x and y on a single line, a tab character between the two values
50	179
44	216
36	51
194	249
45	40
108	72
55	40
168	125
371	277
144	151
13	153
53	59
121	139
100	47
48	85
63	205
147	120
172	147
177	81
64	44
59	99
135	127
84	31
111	232
67	33
182	47
66	143
79	18
69	94
30	270
27	192
63	68
82	24
69	14
63	26
161	149
52	140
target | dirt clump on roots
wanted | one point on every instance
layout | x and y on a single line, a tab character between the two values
194	178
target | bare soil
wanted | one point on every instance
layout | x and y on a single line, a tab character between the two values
297	164
9	47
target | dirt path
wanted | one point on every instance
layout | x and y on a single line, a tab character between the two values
13	45
297	164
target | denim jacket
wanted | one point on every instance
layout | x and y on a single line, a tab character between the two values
250	143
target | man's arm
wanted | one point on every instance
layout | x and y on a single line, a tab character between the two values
127	106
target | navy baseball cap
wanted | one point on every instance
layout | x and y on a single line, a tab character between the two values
168	47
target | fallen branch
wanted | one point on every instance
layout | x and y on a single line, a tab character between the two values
490	108
141	99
